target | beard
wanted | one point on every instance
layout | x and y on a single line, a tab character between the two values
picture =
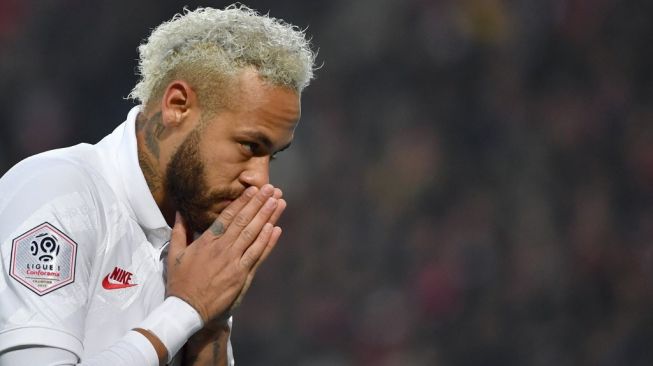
187	186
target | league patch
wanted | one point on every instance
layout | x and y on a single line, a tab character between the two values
43	259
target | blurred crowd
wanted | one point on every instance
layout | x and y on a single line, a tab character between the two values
471	182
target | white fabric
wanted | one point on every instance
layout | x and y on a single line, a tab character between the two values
173	324
44	356
96	202
132	350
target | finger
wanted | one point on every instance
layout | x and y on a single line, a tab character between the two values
217	228
220	224
247	214
281	206
229	213
254	251
274	239
250	233
277	193
272	242
177	237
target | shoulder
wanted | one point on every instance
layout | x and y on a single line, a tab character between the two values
63	169
59	185
69	172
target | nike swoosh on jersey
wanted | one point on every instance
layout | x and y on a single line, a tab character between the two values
114	286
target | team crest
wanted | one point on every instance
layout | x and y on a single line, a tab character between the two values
43	259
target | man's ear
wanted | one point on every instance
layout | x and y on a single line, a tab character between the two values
179	104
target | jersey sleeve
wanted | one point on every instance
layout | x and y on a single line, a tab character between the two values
131	350
50	229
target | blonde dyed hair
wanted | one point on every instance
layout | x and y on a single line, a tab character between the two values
209	47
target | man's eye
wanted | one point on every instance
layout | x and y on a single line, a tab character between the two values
250	147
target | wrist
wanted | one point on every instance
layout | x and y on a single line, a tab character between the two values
196	305
159	347
173	323
210	343
214	329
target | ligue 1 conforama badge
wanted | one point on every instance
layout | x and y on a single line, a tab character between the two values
43	259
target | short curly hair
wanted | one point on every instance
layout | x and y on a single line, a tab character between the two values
208	47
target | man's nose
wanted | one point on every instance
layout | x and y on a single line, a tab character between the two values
257	172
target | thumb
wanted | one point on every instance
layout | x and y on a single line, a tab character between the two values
178	237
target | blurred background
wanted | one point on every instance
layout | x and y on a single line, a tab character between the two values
471	182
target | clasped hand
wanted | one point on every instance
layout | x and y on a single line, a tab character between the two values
215	271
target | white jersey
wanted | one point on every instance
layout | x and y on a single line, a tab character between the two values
81	242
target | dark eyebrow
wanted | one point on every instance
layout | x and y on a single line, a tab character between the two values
284	147
264	140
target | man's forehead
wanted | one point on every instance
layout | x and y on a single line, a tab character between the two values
251	91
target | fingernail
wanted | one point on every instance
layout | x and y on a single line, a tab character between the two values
271	203
267	189
177	217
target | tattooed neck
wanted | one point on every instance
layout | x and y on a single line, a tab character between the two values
151	130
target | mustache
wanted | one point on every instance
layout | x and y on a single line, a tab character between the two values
220	195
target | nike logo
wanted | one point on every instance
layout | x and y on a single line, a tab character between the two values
117	279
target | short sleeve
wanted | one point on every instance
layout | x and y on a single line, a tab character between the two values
50	229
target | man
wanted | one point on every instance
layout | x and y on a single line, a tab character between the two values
92	272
